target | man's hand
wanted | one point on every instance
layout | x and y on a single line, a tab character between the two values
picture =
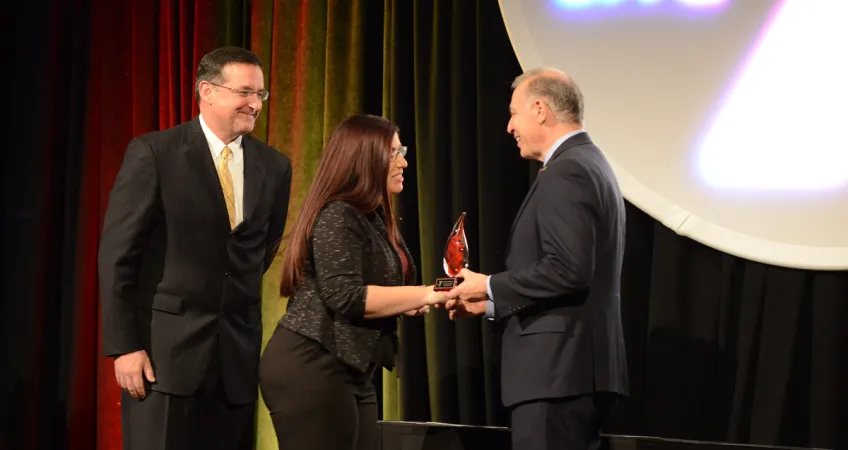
458	309
472	288
130	371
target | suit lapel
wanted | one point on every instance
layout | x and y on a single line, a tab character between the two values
524	204
196	151
578	139
254	174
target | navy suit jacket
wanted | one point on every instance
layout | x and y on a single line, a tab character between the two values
559	299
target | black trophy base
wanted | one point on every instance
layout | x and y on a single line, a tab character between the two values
446	283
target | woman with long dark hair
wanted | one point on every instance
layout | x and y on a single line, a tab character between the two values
348	275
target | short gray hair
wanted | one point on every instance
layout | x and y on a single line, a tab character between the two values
557	89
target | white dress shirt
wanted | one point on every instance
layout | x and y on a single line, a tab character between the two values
236	164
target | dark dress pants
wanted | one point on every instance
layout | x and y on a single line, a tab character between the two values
569	423
316	401
205	420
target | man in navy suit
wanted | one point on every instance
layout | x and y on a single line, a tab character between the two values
558	302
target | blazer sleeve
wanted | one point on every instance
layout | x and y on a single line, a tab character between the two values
280	212
338	247
125	229
567	215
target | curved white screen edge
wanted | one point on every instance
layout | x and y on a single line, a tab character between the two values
721	118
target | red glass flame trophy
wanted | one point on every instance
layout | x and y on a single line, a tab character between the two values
456	257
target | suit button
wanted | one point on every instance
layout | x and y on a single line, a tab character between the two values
227	274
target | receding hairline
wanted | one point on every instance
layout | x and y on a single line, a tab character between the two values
541	72
555	88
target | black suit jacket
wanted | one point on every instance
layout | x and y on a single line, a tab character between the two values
348	250
559	300
174	278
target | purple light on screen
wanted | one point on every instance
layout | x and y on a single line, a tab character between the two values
588	4
602	9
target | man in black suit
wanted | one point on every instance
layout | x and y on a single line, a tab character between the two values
558	302
194	220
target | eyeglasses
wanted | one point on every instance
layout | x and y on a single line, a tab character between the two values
262	95
400	151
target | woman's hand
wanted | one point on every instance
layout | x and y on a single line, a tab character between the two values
434	298
418	312
431	298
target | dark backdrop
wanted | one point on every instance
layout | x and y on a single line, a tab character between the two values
719	348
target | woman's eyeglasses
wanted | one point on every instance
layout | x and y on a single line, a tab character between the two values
399	151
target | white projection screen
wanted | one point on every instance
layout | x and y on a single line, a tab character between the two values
725	120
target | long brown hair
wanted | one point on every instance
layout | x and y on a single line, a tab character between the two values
353	168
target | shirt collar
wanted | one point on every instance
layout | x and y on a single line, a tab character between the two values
215	143
558	143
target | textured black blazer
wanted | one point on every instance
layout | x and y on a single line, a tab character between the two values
174	278
559	300
348	250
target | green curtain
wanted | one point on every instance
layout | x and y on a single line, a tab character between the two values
317	75
315	79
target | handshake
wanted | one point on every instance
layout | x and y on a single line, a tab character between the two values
467	299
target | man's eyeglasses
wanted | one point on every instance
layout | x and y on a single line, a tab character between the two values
263	95
399	151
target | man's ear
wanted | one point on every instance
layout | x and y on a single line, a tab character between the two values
539	110
206	91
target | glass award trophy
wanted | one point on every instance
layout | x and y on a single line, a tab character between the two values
456	257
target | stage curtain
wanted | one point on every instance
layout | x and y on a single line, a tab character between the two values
142	61
447	71
101	73
729	350
46	381
319	72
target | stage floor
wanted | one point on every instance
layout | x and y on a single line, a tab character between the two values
442	436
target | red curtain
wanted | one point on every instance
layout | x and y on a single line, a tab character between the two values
141	63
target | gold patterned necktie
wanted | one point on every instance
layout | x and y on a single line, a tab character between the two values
226	180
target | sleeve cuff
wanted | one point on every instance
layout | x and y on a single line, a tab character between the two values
490	305
489	287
